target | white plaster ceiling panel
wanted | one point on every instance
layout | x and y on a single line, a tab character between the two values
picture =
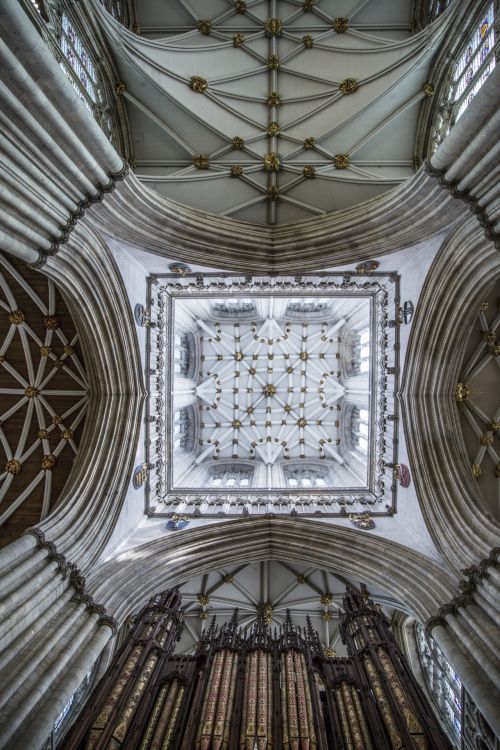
304	59
274	390
271	389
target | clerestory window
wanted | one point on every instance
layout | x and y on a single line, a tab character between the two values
442	682
182	354
360	429
231	476
475	62
184	429
361	352
306	477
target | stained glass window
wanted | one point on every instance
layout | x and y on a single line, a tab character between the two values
69	712
476	61
79	60
436	7
115	7
443	683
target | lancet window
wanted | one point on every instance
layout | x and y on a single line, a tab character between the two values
311	476
76	54
436	7
81	62
183	346
443	683
228	475
475	62
184	429
360	428
307	308
361	352
235	308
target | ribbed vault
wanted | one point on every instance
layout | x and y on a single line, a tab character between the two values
273	112
44	396
270	588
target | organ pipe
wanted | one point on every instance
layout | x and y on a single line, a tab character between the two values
257	689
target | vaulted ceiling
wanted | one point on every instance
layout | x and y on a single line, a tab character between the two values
43	393
272	111
270	587
478	399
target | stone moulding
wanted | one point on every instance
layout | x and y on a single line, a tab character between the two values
380	494
88	201
471	201
69	570
474	575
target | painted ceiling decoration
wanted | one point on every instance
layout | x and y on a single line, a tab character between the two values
272	395
276	111
44	396
478	398
269	588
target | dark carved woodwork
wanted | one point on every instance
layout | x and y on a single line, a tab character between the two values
219	698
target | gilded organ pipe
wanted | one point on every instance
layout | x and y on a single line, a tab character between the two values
257	689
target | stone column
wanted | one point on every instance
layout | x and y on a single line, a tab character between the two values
51	635
469	636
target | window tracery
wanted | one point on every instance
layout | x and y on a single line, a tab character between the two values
227	475
184	433
183	352
308	308
361	352
62	29
360	428
442	682
235	308
306	476
475	62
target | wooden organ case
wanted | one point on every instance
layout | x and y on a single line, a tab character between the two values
257	689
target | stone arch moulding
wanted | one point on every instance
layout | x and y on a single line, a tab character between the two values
138	573
89	507
459	277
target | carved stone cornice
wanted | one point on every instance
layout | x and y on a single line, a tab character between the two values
432	623
76	579
84	204
465	195
475	574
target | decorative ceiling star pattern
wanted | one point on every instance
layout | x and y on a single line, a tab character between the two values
44	395
232	456
268	114
271	390
270	588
